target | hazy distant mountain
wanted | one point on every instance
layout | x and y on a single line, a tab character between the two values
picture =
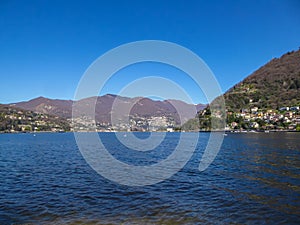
142	107
274	85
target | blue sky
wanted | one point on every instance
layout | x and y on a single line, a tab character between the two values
46	46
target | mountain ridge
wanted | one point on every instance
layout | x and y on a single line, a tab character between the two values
274	85
143	107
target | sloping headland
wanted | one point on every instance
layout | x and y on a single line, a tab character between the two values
268	99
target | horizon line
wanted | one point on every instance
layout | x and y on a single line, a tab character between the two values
153	98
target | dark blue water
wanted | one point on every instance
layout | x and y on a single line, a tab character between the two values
255	179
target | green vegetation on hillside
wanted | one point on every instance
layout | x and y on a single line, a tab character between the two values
18	120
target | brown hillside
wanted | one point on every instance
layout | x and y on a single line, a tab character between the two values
274	85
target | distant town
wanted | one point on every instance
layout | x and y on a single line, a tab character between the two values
254	119
135	123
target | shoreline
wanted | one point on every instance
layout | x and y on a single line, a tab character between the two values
219	131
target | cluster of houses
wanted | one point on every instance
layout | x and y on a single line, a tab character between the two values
286	118
134	123
19	121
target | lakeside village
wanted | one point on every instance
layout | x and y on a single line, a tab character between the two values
13	120
254	119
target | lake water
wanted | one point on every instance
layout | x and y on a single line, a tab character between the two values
255	179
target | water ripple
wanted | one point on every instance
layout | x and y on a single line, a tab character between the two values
253	180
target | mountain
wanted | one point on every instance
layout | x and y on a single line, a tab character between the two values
259	102
138	107
274	85
268	99
61	108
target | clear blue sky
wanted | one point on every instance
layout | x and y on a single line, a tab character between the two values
45	46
